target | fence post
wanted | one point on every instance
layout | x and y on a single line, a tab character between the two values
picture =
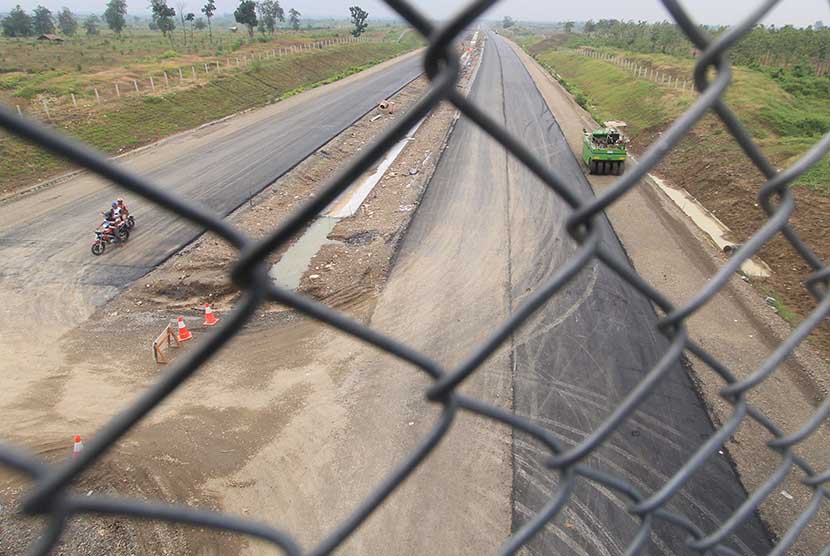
74	103
117	92
237	62
97	98
206	68
46	108
193	71
152	84
135	85
19	112
180	74
217	65
166	81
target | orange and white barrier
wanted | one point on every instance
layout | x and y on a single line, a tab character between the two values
210	317
184	333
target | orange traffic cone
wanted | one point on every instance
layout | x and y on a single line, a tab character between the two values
210	318
184	333
77	447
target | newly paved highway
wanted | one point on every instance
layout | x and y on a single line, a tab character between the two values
584	352
45	238
486	234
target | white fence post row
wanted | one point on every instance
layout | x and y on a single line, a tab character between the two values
276	52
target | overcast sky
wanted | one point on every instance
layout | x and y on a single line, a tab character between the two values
795	12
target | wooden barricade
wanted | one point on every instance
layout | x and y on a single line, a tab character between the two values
167	336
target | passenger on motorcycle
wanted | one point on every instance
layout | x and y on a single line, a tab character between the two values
123	208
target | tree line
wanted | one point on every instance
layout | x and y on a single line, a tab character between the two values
768	46
262	15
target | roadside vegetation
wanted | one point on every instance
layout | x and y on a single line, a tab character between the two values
781	93
119	81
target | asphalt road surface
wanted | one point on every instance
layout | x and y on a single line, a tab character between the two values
45	238
486	234
579	357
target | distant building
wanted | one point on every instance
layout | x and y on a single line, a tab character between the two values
50	37
233	29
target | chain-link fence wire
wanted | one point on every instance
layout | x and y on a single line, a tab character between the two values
51	497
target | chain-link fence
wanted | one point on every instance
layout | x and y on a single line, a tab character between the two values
51	497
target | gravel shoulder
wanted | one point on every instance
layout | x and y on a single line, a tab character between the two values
737	327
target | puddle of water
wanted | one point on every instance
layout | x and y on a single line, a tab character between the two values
290	268
350	200
293	264
710	224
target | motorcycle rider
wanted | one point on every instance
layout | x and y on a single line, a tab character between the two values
110	214
107	228
113	220
118	215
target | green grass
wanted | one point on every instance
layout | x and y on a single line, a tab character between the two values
610	90
784	124
29	68
141	120
784	311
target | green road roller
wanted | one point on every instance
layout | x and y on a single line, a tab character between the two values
604	149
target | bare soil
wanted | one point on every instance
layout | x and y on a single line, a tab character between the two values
728	186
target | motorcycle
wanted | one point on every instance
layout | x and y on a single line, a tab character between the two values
100	243
130	221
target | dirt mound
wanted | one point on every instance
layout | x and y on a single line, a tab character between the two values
728	186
